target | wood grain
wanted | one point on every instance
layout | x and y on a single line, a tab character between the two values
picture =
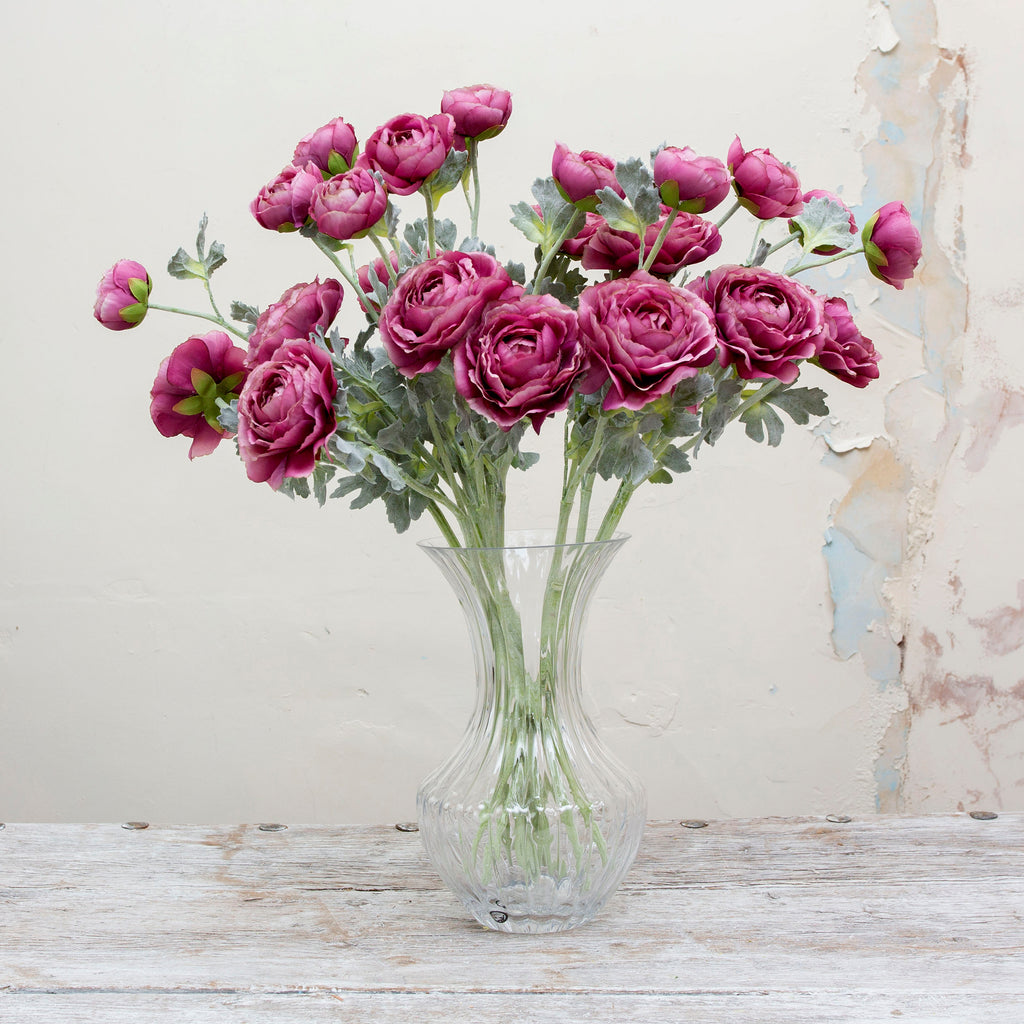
914	919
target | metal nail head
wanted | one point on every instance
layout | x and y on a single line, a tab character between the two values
407	826
135	826
271	826
838	819
984	815
693	823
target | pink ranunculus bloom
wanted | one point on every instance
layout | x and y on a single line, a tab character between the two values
820	193
348	205
367	300
332	148
691	182
479	111
580	175
892	245
764	184
283	204
521	361
847	354
409	148
644	336
122	296
766	322
295	316
436	304
690	240
286	413
189	382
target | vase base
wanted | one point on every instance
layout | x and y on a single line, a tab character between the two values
527	924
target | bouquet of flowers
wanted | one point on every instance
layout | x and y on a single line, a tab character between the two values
620	323
620	327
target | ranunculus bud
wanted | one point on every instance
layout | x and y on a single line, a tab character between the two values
690	182
409	148
820	193
521	361
286	413
188	384
847	354
580	175
892	245
690	240
348	205
122	296
644	336
332	148
479	112
294	317
764	185
766	321
283	204
436	303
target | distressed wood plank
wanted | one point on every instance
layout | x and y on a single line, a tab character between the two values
767	920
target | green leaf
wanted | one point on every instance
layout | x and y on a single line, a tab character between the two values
527	220
557	214
392	438
346	485
800	404
244	313
625	457
191	406
390	471
760	418
201	237
823	224
205	386
445	233
719	407
322	475
139	289
660	476
637	183
397	506
618	213
448	175
675	459
182	266
215	257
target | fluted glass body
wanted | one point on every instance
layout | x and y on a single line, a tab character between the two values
532	822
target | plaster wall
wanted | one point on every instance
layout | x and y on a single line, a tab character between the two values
836	624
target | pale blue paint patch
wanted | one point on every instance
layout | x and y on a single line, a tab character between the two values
855	581
890	133
888	782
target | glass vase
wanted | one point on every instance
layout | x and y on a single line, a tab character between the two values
532	822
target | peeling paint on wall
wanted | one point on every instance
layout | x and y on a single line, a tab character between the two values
914	147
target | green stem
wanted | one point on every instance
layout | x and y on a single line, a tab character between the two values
728	213
352	280
471	149
384	255
781	245
660	240
800	267
431	244
202	316
542	269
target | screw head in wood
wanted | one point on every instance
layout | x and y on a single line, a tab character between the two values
407	826
984	815
694	823
838	819
271	826
135	826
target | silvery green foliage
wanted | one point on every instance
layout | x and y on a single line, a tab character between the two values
449	174
800	404
182	266
642	206
557	218
243	313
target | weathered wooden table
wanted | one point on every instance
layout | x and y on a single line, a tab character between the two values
749	922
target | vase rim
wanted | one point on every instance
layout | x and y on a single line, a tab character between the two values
521	539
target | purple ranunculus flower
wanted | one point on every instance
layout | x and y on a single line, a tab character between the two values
847	354
580	175
294	317
690	239
122	296
283	204
892	245
644	336
188	384
479	111
332	148
575	247
286	413
766	322
408	149
691	182
348	205
764	184
820	193
436	303
521	360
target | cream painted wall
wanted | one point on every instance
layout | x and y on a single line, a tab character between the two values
834	625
